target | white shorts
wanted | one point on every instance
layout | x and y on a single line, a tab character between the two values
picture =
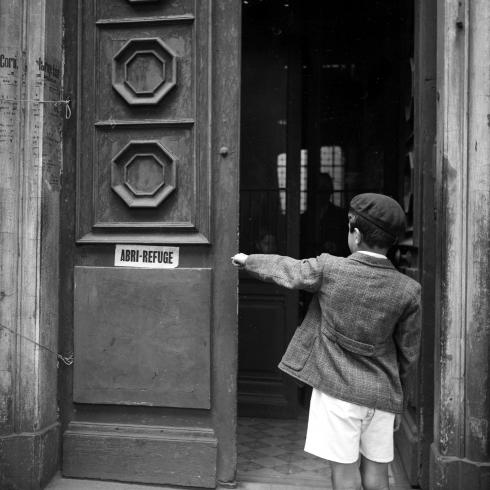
339	431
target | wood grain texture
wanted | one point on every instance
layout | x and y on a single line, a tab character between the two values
146	20
142	337
214	95
225	123
452	214
10	178
461	452
425	123
457	473
125	10
30	155
102	216
29	460
263	338
161	455
477	367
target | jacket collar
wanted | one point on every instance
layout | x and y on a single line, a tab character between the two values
372	261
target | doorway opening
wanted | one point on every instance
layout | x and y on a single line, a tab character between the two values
327	113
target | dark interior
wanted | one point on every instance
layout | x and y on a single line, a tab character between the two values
327	113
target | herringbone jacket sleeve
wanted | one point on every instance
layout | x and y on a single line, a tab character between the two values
407	337
290	273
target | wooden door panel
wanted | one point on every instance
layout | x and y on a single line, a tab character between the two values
165	87
269	202
152	389
262	388
116	149
141	346
131	9
140	454
261	338
144	93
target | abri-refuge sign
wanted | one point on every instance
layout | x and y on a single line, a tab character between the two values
151	257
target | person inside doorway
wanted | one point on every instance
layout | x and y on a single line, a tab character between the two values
328	234
266	242
357	344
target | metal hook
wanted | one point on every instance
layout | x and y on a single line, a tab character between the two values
67	108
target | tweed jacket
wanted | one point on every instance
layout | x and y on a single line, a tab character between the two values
361	334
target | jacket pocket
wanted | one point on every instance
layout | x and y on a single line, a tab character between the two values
299	349
349	344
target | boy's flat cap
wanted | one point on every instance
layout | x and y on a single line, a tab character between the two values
382	211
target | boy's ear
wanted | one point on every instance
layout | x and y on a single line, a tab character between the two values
357	236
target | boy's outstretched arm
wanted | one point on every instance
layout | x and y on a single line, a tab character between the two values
290	273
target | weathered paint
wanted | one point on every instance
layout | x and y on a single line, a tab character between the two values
10	36
207	106
226	113
477	369
30	151
461	456
451	180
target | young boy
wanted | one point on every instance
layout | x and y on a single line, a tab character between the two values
357	343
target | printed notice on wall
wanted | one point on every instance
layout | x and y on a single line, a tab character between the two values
150	257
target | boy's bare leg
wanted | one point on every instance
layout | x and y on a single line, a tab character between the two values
374	475
345	476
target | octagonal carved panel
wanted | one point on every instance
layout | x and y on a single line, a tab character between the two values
143	174
144	71
132	53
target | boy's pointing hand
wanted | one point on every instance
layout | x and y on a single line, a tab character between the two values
239	259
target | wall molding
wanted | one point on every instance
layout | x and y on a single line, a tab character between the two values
151	454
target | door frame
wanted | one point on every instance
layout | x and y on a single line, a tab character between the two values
415	435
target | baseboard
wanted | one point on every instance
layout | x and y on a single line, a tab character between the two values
451	473
271	406
259	397
28	461
140	454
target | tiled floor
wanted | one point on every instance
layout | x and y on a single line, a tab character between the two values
271	451
270	457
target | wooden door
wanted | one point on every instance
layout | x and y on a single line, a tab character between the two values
148	226
269	202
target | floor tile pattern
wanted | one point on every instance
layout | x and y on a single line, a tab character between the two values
271	451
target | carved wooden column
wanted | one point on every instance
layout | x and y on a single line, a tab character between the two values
461	448
30	155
